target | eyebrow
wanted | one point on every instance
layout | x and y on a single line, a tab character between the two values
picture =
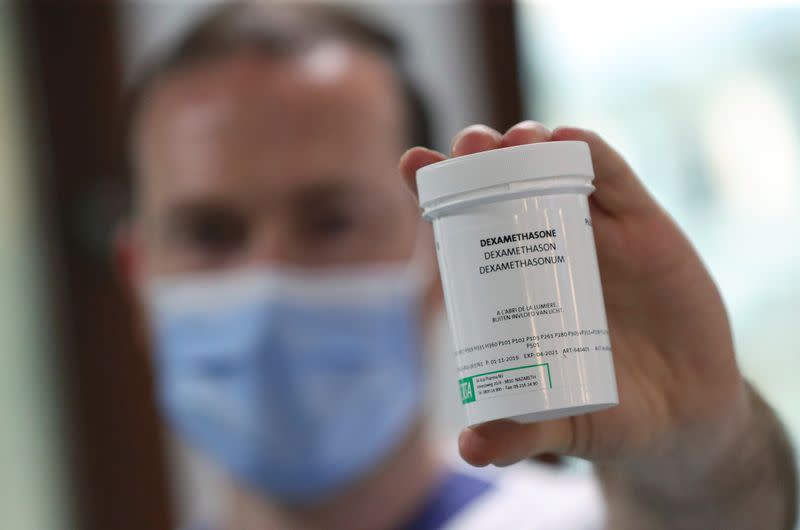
334	189
327	192
186	210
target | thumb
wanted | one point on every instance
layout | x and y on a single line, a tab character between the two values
504	442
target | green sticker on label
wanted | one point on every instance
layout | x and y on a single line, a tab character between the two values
467	384
467	390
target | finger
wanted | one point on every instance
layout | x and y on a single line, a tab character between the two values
526	132
504	442
619	190
474	139
414	159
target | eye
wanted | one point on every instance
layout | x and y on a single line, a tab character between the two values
212	231
330	223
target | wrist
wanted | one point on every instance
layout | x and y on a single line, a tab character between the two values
691	453
727	471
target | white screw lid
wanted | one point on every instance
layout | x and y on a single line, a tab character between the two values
502	166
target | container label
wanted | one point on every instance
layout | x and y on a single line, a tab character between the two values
524	299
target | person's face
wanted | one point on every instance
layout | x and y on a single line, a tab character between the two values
251	161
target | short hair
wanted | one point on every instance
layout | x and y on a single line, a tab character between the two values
274	31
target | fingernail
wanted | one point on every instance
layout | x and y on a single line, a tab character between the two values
528	124
482	137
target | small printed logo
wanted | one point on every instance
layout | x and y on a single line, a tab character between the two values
467	390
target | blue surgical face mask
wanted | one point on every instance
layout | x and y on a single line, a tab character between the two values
295	383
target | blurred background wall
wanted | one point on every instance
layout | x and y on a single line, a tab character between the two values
34	490
68	63
704	102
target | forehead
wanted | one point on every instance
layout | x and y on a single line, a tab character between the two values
226	122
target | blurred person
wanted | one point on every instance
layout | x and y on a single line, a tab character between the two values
289	281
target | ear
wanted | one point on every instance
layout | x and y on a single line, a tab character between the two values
128	263
128	257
